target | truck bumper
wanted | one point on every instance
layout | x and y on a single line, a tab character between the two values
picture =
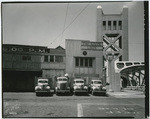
98	92
63	91
80	91
44	92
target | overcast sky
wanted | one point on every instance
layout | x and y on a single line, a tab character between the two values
42	24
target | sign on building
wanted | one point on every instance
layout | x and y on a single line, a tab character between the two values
87	45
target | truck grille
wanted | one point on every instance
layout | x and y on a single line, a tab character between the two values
63	86
44	87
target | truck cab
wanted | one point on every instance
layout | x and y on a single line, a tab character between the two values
96	86
62	85
79	86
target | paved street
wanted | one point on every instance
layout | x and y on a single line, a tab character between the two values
28	105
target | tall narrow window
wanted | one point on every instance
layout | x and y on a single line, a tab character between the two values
120	25
90	62
81	62
104	25
77	62
109	25
114	25
51	58
46	58
86	62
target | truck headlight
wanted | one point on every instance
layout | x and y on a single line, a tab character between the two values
38	88
48	87
85	87
104	88
75	87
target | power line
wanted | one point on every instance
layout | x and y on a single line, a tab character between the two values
71	23
64	23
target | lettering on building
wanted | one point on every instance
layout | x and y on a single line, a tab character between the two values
21	49
86	45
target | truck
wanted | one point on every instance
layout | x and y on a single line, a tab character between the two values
62	85
43	86
96	87
79	86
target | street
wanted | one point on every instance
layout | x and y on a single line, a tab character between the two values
29	105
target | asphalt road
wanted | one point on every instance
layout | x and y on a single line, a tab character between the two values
29	105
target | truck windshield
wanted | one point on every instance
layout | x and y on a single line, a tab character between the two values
43	81
79	82
62	79
97	82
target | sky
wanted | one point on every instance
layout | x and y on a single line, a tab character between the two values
42	24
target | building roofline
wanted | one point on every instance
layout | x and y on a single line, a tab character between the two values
24	45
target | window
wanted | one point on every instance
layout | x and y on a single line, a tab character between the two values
97	82
109	25
79	81
51	58
77	62
90	62
86	62
104	25
83	62
46	58
58	58
114	25
26	58
120	25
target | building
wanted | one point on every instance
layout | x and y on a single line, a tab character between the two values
22	63
84	58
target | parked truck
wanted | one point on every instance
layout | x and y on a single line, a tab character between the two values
96	87
62	85
79	86
43	86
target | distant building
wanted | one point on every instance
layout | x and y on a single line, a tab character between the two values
22	63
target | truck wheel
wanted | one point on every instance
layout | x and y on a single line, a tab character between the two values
37	94
57	93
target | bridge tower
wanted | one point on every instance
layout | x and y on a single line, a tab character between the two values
112	30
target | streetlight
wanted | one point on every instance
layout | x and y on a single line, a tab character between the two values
110	59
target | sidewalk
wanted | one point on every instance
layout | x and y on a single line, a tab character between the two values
127	94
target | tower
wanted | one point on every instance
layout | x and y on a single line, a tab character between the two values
112	30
